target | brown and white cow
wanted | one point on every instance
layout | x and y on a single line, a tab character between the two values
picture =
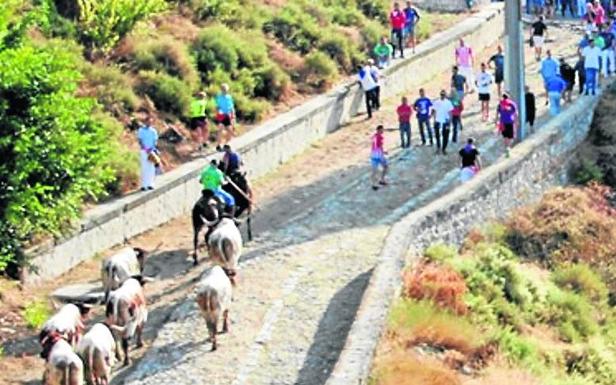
120	267
97	349
63	366
67	322
225	246
213	295
126	308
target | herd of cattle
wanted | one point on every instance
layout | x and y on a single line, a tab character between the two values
72	357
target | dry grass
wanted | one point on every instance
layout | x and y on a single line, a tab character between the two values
498	375
403	368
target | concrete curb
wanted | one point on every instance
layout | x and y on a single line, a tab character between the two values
534	166
263	148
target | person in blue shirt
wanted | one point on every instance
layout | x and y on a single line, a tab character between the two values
231	160
423	109
607	53
412	18
555	87
549	68
497	61
225	116
148	138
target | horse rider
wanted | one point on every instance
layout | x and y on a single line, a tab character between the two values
231	161
212	180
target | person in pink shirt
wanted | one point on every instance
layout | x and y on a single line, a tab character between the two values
405	112
599	13
464	60
397	19
378	158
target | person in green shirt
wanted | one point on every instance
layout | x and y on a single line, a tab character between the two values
212	179
198	119
383	52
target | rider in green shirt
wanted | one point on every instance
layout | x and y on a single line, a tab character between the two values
212	179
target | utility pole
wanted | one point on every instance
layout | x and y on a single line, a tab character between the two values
514	60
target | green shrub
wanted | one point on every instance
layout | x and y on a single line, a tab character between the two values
582	280
572	314
371	33
250	110
375	9
35	314
111	87
346	16
102	23
586	171
216	47
593	365
321	71
168	93
295	28
166	55
518	349
272	82
342	50
423	29
440	252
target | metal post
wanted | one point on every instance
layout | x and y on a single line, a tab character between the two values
514	59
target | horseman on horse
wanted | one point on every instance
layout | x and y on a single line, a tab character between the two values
226	193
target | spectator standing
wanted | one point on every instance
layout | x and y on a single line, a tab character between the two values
498	59
199	119
592	55
378	159
464	61
383	52
538	33
231	160
568	74
581	73
148	139
484	82
529	103
506	117
471	162
599	13
581	8
423	109
412	18
442	113
368	84
404	112
556	87
549	68
567	4
376	75
607	53
456	114
397	19
458	82
225	116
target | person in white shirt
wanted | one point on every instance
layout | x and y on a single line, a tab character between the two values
148	138
369	85
376	75
592	55
484	84
442	112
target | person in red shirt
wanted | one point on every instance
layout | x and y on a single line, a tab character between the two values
397	19
405	112
378	158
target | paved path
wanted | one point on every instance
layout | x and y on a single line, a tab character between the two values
302	278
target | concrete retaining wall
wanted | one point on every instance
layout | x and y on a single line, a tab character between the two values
448	5
263	149
535	166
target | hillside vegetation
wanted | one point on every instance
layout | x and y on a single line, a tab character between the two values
527	301
77	75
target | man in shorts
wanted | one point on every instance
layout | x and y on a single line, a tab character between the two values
471	162
199	119
538	33
225	117
378	159
506	118
498	60
412	18
484	83
465	59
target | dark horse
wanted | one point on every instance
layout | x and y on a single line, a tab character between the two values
209	209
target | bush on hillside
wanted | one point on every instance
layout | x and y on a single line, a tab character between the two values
54	151
375	9
582	280
168	93
111	87
572	314
341	49
164	55
320	70
102	23
295	28
593	365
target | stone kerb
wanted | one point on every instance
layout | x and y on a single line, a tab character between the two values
535	166
263	149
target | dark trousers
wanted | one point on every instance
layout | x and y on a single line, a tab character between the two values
581	81
456	123
424	123
567	4
370	101
405	134
441	129
377	98
397	35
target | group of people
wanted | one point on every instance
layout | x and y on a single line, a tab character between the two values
201	111
596	9
403	23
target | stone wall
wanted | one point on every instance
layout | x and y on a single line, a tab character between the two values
263	149
535	166
448	5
